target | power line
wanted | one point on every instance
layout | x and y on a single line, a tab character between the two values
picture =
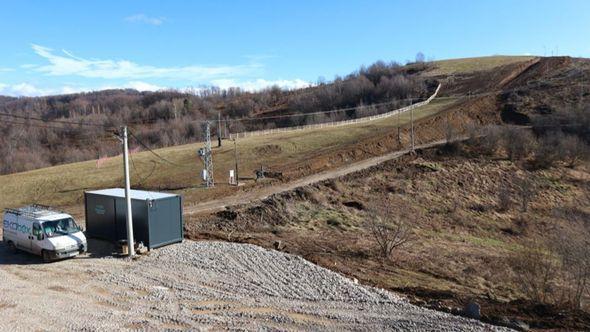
54	121
44	126
34	125
154	153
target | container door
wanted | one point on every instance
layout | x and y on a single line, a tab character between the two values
100	217
140	220
165	222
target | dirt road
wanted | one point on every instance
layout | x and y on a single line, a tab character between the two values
260	194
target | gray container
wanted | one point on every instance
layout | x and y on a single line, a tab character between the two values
157	217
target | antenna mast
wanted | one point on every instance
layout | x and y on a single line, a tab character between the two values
205	154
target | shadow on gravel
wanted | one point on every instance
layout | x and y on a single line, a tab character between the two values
96	249
8	257
99	249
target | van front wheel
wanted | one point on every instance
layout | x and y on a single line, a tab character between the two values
12	247
46	256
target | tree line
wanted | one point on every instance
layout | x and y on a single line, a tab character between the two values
171	117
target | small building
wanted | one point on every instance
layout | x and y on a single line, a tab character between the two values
157	217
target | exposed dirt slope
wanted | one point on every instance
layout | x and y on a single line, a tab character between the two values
464	240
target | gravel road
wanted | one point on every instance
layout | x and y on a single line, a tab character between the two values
201	285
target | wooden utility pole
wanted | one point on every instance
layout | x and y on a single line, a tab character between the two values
236	160
399	139
218	129
130	241
412	121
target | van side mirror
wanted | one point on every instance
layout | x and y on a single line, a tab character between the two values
40	236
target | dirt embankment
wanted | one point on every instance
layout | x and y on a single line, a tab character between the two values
463	241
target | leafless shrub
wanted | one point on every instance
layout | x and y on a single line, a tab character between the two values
535	272
490	139
389	232
547	152
573	150
526	190
555	146
573	249
518	143
504	198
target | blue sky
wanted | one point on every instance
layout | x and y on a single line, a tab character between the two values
51	47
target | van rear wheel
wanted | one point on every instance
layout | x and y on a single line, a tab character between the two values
12	247
46	256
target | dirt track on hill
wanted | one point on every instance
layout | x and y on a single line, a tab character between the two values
249	197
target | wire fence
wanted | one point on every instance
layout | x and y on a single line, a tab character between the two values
336	123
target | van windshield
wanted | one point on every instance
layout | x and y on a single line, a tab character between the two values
60	227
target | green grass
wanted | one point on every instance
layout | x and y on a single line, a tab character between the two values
467	65
64	185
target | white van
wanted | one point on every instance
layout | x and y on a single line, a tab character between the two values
42	231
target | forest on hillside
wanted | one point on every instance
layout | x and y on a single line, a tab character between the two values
41	131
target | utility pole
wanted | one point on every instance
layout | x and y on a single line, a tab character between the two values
130	241
236	159
399	140
412	120
218	129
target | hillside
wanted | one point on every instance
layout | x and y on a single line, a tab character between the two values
300	153
464	241
450	194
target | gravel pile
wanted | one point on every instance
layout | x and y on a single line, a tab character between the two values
209	285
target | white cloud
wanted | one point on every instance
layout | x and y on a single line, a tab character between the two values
70	65
22	89
30	90
4	69
143	18
259	84
143	86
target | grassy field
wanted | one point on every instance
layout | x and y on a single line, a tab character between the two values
64	185
467	65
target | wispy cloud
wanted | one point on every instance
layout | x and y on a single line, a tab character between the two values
4	69
70	65
143	18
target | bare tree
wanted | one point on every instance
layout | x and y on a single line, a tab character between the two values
526	190
420	57
535	272
573	150
573	249
518	143
389	232
490	139
504	198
